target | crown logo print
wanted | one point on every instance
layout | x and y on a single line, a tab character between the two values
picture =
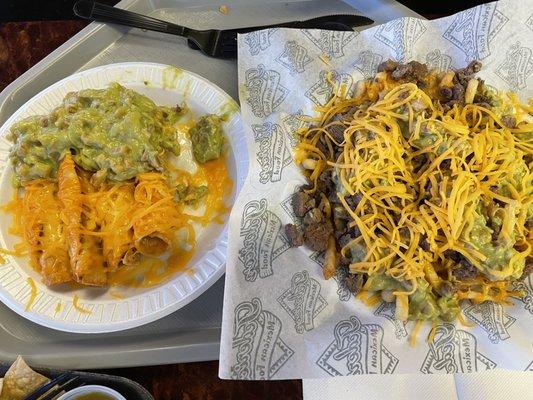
259	350
265	92
273	154
472	30
331	43
303	301
400	36
387	310
516	67
294	57
454	351
492	318
263	241
367	63
525	286
259	41
439	61
322	91
357	349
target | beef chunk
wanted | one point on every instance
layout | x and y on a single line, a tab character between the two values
413	71
483	100
313	215
349	235
447	289
354	200
509	121
349	113
463	269
321	145
528	269
456	95
458	92
454	256
446	93
474	67
325	182
354	282
336	131
419	161
295	236
301	203
388	66
446	164
316	235
463	75
343	262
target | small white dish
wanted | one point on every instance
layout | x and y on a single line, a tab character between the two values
91	389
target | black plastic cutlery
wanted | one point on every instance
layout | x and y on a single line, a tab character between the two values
212	42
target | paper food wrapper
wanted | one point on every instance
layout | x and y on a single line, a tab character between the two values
281	318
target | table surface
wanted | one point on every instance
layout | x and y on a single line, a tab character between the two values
22	44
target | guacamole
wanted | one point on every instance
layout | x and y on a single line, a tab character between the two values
115	132
207	138
502	261
423	303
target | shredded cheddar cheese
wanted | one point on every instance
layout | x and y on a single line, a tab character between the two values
78	307
456	179
33	294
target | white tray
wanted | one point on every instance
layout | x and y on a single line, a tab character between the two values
193	332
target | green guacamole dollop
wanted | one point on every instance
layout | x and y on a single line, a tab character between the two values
207	138
115	132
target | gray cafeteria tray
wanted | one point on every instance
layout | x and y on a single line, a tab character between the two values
192	333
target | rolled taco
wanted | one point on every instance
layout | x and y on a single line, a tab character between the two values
86	259
156	217
44	232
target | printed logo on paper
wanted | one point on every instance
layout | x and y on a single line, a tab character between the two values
454	351
259	41
294	57
303	301
526	287
259	350
529	22
473	30
367	63
322	91
273	154
439	61
400	35
263	240
331	43
294	123
516	67
357	349
340	276
388	311
492	318
265	92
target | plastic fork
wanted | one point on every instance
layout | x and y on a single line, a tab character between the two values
212	42
63	382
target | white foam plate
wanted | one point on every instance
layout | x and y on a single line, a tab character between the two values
166	86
